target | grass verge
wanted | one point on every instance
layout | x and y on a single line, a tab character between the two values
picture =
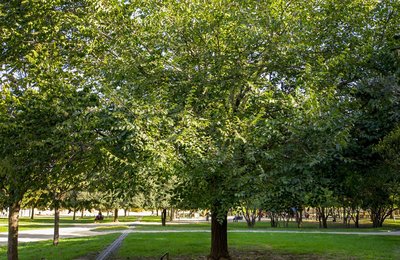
67	249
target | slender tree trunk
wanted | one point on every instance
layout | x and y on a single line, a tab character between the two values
13	218
259	214
74	215
357	219
219	237
171	217
299	217
115	215
163	217
322	217
33	212
250	216
82	213
125	211
56	235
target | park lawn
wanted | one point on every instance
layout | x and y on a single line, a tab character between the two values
174	226
151	219
48	222
110	228
365	226
301	245
68	220
308	226
67	249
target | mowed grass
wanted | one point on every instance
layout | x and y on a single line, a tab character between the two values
137	246
151	219
310	226
67	249
110	228
26	223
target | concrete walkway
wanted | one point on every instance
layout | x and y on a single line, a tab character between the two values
79	230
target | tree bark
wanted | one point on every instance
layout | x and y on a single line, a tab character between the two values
219	237
323	217
115	215
357	219
171	217
13	218
163	217
299	217
74	215
56	235
33	212
250	216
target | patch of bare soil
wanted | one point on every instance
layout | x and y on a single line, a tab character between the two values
245	255
91	256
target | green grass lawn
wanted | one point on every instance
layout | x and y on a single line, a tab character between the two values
68	220
47	222
264	225
67	249
137	245
303	245
110	228
151	219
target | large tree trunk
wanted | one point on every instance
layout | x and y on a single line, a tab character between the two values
13	217
219	237
56	235
115	215
163	216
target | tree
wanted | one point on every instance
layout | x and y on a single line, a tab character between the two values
220	73
41	72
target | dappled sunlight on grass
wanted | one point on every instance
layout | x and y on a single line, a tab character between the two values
67	249
304	244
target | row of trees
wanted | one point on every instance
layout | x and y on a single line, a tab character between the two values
207	105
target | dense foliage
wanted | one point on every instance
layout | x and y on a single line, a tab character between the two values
212	105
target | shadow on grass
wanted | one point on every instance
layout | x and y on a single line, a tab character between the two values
67	249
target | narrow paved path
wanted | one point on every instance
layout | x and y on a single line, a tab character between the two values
79	230
113	247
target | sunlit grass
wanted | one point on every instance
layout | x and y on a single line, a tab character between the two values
110	228
67	249
137	245
26	223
